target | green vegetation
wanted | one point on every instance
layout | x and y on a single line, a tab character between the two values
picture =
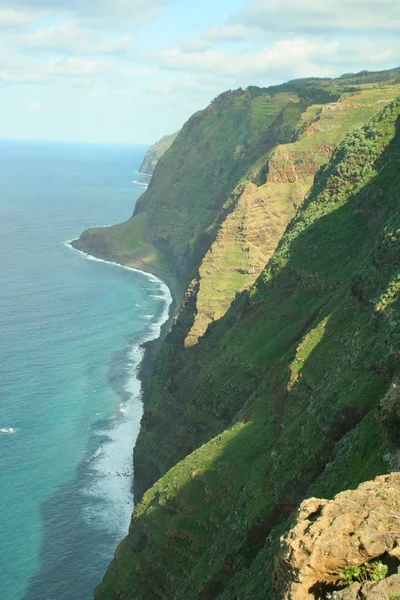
250	233
280	398
155	152
184	411
369	571
183	206
193	188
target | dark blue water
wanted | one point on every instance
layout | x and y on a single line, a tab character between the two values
70	331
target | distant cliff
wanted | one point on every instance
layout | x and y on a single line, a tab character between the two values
155	152
277	212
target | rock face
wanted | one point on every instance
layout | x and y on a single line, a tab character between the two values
358	526
388	589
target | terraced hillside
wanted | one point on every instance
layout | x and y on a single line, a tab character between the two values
249	235
294	390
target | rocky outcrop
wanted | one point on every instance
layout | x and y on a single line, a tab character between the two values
388	589
358	526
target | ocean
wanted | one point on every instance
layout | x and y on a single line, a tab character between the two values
70	334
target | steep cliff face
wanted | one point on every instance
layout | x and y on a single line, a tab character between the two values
191	192
155	152
178	418
292	393
177	218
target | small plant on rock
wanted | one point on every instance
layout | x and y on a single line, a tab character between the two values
374	571
350	574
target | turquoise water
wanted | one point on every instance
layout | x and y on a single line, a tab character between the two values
70	334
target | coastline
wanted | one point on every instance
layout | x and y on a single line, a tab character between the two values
151	347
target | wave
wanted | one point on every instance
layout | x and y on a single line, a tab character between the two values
143	174
97	453
143	183
109	489
163	293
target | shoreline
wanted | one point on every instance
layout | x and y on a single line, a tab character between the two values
151	347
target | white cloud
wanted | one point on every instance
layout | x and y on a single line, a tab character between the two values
285	59
123	13
22	77
231	33
78	71
74	67
14	19
267	60
238	32
318	16
67	37
34	106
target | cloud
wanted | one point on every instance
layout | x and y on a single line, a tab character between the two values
14	19
74	67
308	16
267	60
285	59
102	12
22	77
68	38
34	106
231	33
80	72
238	32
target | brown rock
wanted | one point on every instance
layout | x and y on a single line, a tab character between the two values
329	535
380	590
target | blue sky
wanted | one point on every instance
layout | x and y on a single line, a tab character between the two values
132	70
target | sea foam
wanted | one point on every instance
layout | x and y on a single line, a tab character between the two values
111	465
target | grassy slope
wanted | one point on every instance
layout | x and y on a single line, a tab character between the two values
303	359
249	235
178	417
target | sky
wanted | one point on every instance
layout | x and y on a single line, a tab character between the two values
131	71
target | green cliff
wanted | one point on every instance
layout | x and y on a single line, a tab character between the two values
195	183
277	210
174	425
155	152
292	377
178	217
